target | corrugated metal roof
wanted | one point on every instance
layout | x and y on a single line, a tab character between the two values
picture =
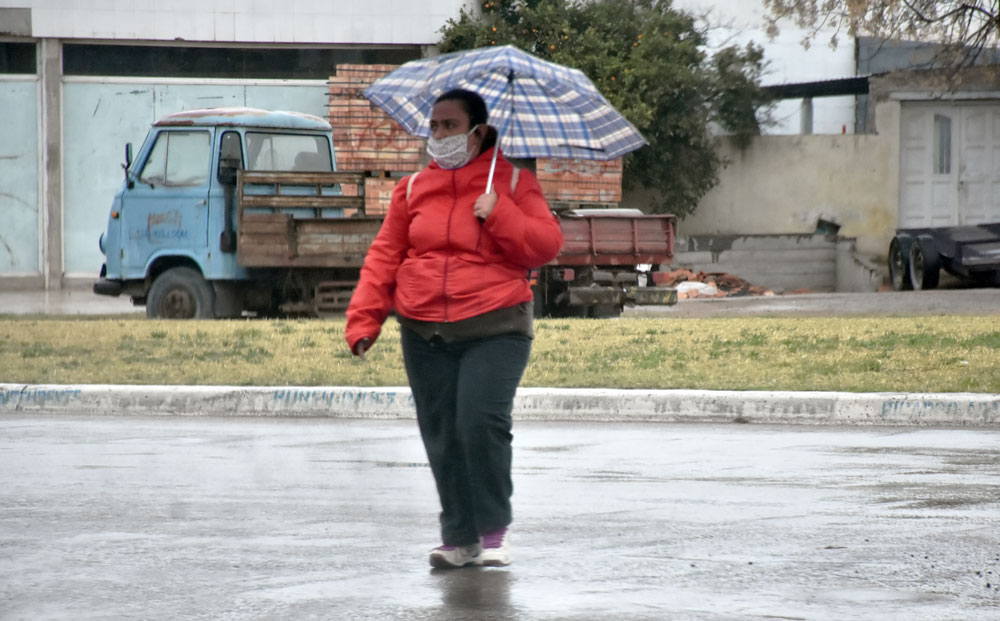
244	117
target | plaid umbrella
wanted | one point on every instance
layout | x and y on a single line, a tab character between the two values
547	110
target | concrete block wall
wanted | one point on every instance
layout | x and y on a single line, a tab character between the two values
781	262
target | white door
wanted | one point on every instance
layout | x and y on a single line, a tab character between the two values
949	164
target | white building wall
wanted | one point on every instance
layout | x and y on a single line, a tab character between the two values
243	21
737	22
786	184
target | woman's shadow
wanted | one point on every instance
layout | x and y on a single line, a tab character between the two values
475	593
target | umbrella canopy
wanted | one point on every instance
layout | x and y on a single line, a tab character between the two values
542	109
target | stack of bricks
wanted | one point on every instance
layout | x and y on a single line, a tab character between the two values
367	139
378	195
364	136
580	181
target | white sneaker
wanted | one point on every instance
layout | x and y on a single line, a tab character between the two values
453	557
496	549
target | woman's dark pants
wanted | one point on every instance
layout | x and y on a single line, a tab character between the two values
464	393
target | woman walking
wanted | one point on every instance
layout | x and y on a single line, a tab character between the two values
453	261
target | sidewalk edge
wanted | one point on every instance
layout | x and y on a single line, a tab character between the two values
539	404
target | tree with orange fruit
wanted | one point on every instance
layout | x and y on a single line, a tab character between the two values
651	62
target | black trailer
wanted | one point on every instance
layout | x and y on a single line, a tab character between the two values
917	256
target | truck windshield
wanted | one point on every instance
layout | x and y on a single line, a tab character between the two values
288	152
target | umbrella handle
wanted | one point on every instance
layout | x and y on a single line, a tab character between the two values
496	147
493	166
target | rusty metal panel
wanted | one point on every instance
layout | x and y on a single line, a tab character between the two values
616	239
19	200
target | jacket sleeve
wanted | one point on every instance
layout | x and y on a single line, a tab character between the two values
372	299
523	225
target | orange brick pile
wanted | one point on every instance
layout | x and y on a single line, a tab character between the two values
364	136
378	195
726	284
366	139
585	181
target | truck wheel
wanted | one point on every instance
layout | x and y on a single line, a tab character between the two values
180	293
605	311
925	263
899	262
538	300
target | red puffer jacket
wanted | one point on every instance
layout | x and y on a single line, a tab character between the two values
433	260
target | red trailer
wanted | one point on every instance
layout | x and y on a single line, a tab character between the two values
606	263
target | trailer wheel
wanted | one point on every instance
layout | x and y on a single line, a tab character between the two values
925	263
180	293
899	262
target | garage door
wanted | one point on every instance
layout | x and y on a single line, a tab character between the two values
949	164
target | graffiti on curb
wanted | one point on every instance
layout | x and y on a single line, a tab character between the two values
354	398
39	397
921	408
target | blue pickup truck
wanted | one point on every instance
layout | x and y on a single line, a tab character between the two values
232	210
236	211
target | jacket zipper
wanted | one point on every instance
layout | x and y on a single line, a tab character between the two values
447	256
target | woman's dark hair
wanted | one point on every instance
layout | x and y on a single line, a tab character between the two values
475	107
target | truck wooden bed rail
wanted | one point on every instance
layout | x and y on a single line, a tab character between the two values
291	219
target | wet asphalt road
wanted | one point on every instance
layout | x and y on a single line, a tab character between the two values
200	518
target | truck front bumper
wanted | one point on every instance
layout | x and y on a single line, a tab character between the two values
108	287
633	295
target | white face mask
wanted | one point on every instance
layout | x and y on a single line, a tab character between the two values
451	151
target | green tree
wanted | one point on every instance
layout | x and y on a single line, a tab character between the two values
650	62
964	29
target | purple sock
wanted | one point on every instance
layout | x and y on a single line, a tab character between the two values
494	539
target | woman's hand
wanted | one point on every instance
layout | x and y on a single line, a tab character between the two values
484	205
363	345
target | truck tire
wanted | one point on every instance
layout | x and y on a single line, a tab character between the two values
538	298
925	263
180	293
605	311
899	262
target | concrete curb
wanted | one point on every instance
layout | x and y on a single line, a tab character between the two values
540	404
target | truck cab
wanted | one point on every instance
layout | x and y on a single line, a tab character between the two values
171	240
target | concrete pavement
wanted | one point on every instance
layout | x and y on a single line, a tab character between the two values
264	518
175	502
